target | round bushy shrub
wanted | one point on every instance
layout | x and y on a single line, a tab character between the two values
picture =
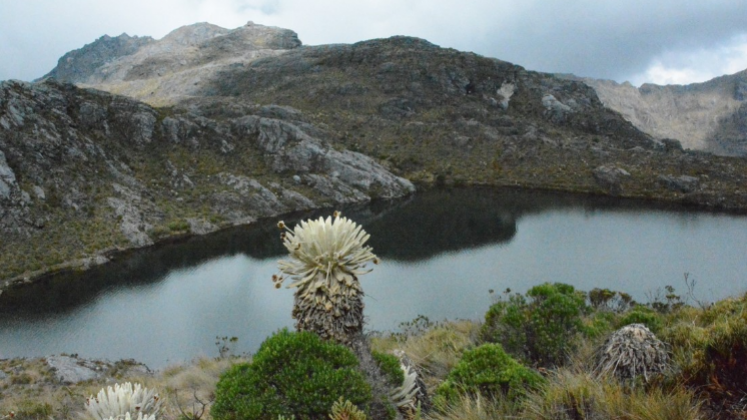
642	315
489	371
292	374
541	328
390	367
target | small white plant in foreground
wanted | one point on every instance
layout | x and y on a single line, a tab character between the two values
124	402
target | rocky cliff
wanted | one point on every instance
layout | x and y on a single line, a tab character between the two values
702	116
247	123
85	172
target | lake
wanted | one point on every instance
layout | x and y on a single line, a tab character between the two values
442	252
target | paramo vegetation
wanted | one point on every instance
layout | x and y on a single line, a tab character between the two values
553	353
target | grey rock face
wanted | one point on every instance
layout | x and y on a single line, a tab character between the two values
200	226
683	183
178	63
700	115
556	109
123	177
77	65
292	150
71	370
7	178
261	200
132	225
610	177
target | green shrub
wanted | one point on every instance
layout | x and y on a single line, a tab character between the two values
642	315
598	324
345	410
488	371
541	328
178	225
389	365
291	374
711	350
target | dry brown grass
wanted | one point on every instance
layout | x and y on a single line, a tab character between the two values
476	408
33	394
578	395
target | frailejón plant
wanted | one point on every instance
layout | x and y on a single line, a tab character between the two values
123	402
326	258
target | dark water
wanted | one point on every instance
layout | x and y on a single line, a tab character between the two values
441	252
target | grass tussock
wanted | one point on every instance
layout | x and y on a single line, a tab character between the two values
477	407
579	395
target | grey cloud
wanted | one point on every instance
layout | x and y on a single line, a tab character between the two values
607	40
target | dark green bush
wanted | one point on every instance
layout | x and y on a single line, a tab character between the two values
389	365
598	324
291	374
642	315
489	371
541	328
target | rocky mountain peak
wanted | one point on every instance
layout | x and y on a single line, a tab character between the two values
77	66
174	67
194	34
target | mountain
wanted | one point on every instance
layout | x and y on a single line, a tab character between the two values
133	141
168	70
710	116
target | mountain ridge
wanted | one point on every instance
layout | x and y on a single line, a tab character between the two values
706	116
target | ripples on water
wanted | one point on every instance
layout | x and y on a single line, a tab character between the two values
441	252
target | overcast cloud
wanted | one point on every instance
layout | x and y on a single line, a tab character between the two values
663	41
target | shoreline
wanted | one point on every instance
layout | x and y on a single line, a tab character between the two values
734	207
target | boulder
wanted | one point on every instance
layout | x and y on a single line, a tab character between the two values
683	183
610	177
73	370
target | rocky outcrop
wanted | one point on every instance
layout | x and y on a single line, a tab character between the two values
69	370
682	183
77	66
83	172
610	178
703	116
165	71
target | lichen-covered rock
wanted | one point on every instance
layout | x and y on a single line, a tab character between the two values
682	183
610	177
73	370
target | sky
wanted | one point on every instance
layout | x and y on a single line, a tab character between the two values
654	41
